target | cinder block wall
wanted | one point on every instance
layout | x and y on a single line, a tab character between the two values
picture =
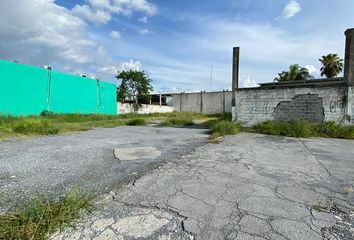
203	102
318	104
316	101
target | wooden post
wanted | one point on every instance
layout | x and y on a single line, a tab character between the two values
235	73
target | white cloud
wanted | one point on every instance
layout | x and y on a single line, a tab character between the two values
99	3
110	70
138	5
247	82
87	13
123	66
144	31
143	19
130	65
313	70
115	35
290	10
101	11
265	51
41	32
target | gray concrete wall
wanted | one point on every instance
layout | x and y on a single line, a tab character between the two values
260	104
124	108
203	102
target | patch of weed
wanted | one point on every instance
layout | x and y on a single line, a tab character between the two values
222	128
33	126
178	121
40	218
304	129
136	122
298	128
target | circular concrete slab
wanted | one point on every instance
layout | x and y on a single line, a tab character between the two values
136	153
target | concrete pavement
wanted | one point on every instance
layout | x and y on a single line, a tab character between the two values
248	187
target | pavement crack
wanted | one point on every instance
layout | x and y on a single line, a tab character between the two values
316	159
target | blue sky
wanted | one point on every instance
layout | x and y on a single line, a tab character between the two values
175	41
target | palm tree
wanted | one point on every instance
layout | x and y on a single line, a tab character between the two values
295	73
332	65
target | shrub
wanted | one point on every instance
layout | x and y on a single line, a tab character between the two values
46	113
223	128
136	122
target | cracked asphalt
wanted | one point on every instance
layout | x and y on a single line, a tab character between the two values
247	187
50	165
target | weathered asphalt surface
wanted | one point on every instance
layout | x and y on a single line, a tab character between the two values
247	187
50	165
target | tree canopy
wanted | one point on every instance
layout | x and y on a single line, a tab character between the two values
332	65
135	86
295	72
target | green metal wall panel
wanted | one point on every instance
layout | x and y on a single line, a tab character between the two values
73	94
26	90
23	89
107	97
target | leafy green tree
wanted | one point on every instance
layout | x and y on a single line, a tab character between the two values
136	85
295	73
122	92
332	65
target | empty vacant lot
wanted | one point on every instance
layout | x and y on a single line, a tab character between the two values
250	186
50	165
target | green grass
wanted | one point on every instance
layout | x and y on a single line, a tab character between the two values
178	121
60	123
224	127
304	129
136	122
40	126
40	217
291	129
219	123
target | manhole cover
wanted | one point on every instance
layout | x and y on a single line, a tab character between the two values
128	154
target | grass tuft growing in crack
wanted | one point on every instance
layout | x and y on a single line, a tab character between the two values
40	217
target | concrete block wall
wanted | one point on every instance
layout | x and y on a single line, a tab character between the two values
124	108
259	104
303	106
203	102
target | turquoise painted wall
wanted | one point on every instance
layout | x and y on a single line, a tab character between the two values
27	90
